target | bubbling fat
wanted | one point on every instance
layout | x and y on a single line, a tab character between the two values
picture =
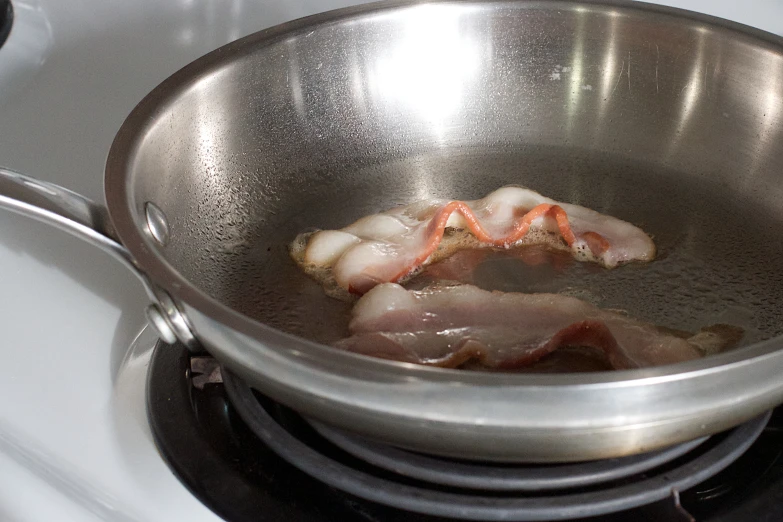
395	245
454	240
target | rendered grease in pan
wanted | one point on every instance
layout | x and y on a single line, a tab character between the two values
714	250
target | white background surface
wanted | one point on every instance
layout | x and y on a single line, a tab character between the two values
74	443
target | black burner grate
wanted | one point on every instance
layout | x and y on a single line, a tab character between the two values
561	504
231	468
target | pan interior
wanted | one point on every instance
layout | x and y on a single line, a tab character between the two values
667	123
713	261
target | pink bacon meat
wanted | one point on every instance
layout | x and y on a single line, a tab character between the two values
394	245
449	326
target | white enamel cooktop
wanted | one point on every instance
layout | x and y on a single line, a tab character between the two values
74	442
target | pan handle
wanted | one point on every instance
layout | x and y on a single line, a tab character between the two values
87	220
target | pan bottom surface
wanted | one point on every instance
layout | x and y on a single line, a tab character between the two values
713	248
249	458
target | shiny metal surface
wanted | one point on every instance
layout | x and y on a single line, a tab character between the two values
157	320
85	219
670	121
157	223
65	210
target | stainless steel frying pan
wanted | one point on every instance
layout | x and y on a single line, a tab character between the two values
667	119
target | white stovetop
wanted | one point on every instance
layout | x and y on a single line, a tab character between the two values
74	442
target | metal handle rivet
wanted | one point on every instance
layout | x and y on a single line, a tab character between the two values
158	322
157	223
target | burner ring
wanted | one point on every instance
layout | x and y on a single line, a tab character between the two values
653	486
471	475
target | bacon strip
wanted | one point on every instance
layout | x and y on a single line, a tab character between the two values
394	245
437	227
455	325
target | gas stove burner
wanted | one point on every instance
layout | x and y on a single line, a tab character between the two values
250	458
282	432
6	20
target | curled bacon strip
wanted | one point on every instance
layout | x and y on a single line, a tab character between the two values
437	227
394	245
